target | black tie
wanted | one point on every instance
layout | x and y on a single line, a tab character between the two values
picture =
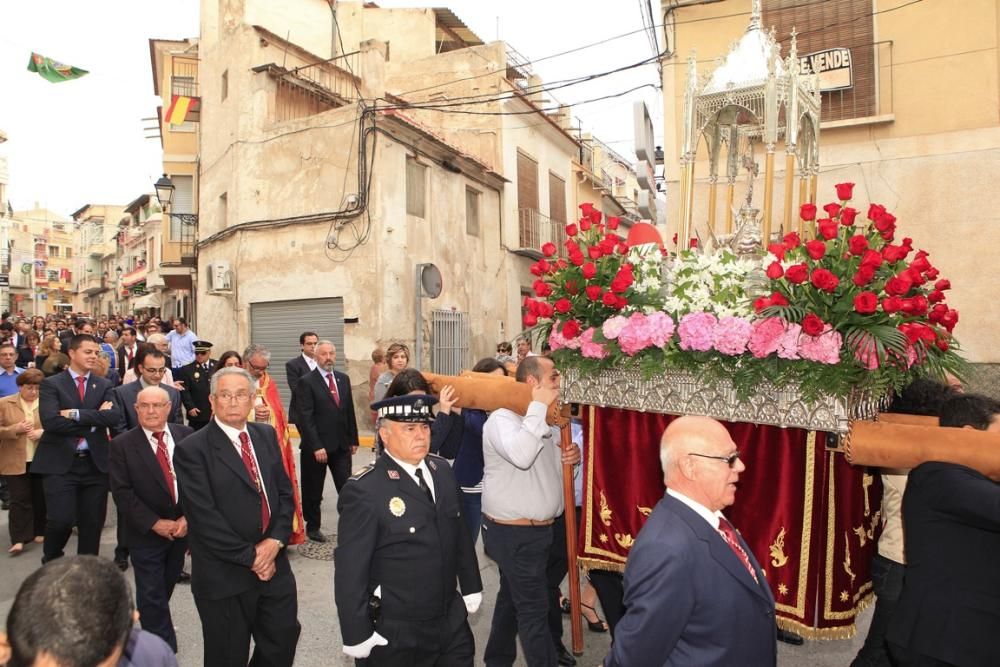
423	485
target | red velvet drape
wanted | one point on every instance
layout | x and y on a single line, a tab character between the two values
809	516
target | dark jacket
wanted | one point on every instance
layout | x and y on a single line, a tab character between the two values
295	369
57	446
321	422
139	487
125	396
197	387
222	507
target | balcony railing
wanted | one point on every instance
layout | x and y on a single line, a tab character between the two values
535	230
179	246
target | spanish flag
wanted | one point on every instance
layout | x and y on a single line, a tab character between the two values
179	108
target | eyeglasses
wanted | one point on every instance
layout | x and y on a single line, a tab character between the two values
153	371
152	406
238	397
730	460
256	367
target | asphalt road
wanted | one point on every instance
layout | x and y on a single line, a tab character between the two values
320	644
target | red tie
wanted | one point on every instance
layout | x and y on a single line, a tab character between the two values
81	386
128	351
247	454
729	535
333	388
163	458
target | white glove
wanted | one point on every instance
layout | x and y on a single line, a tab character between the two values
472	602
361	651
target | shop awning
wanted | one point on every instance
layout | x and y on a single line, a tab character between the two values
147	301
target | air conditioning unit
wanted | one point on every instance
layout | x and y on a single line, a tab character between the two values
220	278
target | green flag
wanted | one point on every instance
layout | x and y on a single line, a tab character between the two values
53	71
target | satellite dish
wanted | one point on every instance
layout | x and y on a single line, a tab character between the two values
430	281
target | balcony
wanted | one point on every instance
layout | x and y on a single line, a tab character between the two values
179	259
94	284
534	230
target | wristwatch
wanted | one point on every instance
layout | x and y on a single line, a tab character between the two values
74	415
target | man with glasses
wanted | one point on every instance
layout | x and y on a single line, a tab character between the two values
267	409
151	523
694	593
238	502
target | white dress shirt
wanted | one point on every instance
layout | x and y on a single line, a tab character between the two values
169	441
411	470
310	362
708	515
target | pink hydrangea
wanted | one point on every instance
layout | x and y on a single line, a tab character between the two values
636	335
613	326
558	341
766	336
825	348
589	348
788	346
660	327
732	335
697	331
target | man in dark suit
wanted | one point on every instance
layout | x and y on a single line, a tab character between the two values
76	409
238	502
329	433
153	527
403	551
150	366
128	350
949	610
296	368
694	593
196	377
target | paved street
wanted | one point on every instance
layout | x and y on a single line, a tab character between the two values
319	645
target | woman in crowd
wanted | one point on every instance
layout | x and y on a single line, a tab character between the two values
50	357
446	430
20	429
109	346
230	358
26	355
397	357
38	324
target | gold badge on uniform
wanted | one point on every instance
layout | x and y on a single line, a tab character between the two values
197	375
397	506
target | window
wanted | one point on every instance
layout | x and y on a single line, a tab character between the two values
52	275
225	85
527	182
449	341
416	177
472	197
68	255
183	203
53	251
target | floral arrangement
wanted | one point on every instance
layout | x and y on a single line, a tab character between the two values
839	311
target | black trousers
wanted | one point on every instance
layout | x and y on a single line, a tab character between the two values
458	650
79	497
313	476
27	507
156	570
555	571
524	601
887	582
268	613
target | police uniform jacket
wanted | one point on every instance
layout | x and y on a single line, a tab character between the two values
196	390
391	535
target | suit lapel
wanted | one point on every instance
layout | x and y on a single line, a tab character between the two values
149	459
227	453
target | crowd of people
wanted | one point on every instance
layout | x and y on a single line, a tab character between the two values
197	454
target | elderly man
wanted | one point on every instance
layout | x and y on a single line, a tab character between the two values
150	366
152	524
694	593
267	409
523	528
402	547
238	503
329	432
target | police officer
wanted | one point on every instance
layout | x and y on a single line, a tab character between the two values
404	551
196	376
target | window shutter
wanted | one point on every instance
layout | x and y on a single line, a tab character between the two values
527	182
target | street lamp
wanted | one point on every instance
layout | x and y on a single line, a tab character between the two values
119	272
164	190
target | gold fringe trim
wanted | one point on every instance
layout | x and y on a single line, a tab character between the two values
597	564
826	634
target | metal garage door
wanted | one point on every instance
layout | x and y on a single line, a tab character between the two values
278	324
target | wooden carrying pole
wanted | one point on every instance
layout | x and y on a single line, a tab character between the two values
569	500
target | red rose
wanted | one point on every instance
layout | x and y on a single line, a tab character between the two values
609	299
572	287
920	305
607	246
618	285
812	325
760	303
594	292
530	320
875	212
871	258
932	273
866	303
895	253
907	306
774	270
576	258
937	312
563	306
891	305
561	264
627	267
949	319
613	222
824	280
857	245
808	212
693	243
920	262
622	248
621	303
571	229
571	329
545	309
585	224
536	269
777	249
936	296
844	191
549	249
778	299
792	240
915	276
942	284
941	344
847	216
864	275
595	216
585	209
832	209
827	228
816	249
797	273
594	252
541	288
898	285
589	270
885	222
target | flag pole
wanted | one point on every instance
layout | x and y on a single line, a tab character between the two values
569	501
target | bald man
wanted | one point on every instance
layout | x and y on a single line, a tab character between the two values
694	593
